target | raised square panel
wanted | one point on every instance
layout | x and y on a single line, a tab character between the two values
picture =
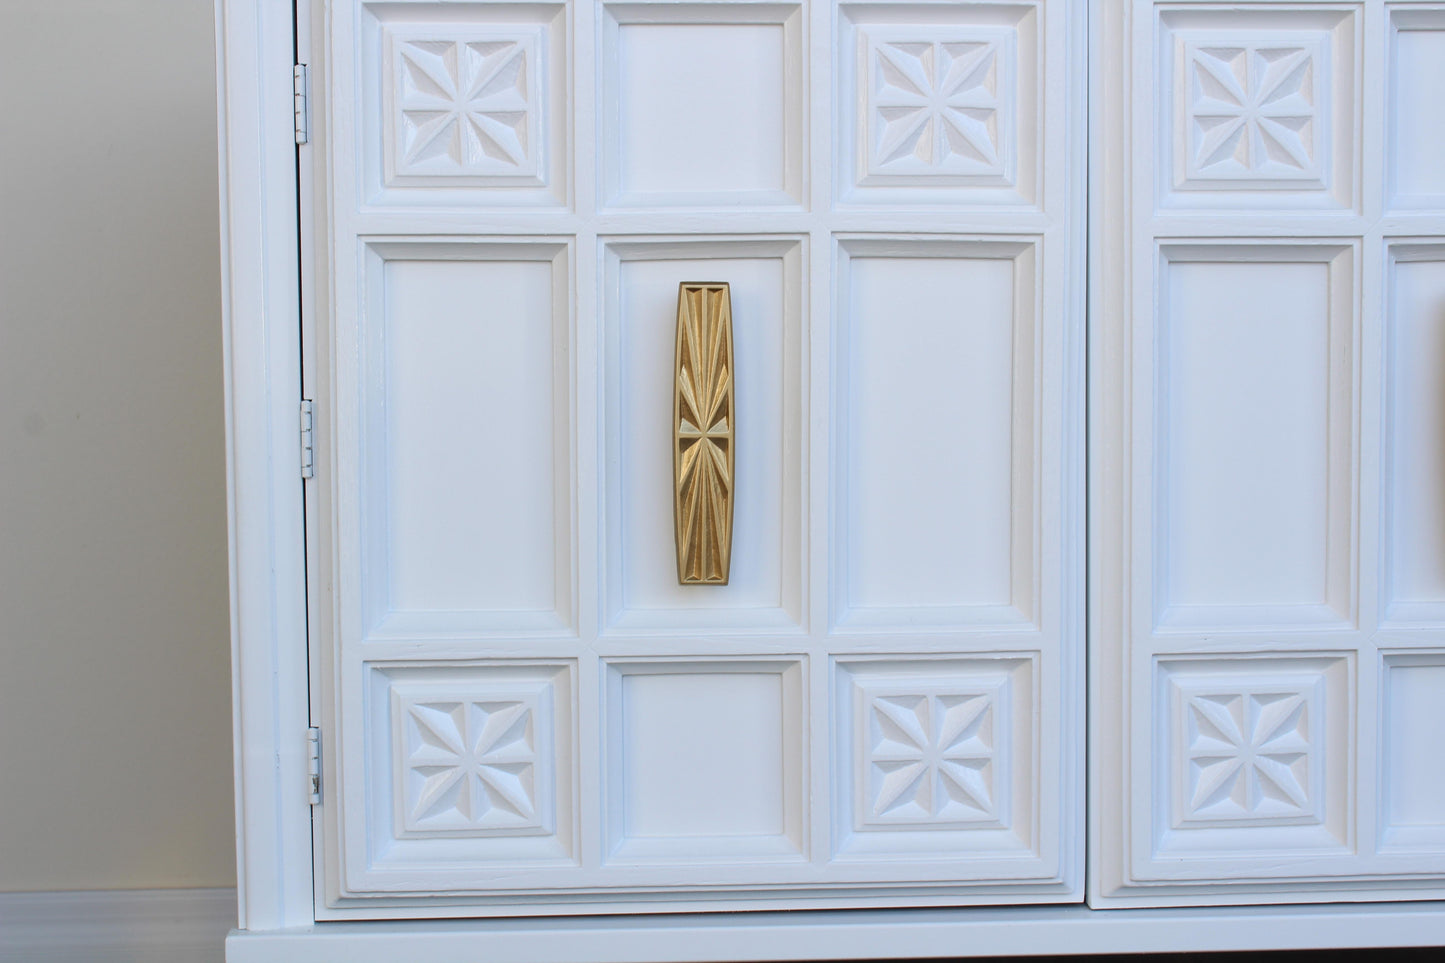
1414	530
1416	173
938	103
702	104
469	769
472	758
764	591
933	103
466	447
464	107
1253	411
1412	802
705	760
935	756
935	409
1250	110
1256	107
1252	755
465	103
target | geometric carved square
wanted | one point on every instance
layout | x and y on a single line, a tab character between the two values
935	756
1250	752
463	104
466	106
1256	104
1254	745
474	755
938	103
469	766
935	102
470	760
1252	109
928	753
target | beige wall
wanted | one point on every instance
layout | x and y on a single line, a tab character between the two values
115	752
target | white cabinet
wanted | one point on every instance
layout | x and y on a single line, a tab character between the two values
1267	469
522	708
932	220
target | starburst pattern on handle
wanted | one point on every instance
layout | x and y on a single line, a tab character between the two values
703	434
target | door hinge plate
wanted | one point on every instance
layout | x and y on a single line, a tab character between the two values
313	762
308	438
301	89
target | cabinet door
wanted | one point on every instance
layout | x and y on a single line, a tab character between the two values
1268	497
523	708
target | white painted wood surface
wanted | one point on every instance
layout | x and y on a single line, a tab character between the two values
1391	679
521	709
1266	577
261	298
854	934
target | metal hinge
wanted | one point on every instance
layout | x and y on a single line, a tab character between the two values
313	762
308	438
300	89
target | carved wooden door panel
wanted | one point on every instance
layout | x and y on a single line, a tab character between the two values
523	708
1269	559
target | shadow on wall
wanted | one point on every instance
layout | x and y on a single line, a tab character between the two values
114	697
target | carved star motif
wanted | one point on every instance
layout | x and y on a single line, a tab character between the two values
1249	753
476	761
1252	108
931	755
936	101
464	105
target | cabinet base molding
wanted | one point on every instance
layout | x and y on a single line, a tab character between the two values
860	934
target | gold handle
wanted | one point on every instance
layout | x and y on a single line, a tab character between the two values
703	434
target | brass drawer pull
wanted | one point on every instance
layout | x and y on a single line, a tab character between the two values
703	434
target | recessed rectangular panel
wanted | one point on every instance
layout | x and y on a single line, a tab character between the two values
703	755
695	89
468	467
702	104
1416	153
704	759
1413	782
1415	380
763	584
1252	428
934	386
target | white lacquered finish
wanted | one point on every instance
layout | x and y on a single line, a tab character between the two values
856	934
1267	367
1400	799
521	710
265	509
